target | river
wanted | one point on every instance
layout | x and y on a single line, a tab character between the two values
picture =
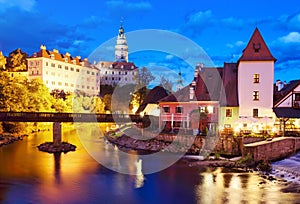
30	176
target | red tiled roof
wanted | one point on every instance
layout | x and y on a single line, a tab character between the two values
57	56
209	86
230	81
256	50
118	65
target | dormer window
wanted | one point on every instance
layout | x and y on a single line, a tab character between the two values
52	56
256	47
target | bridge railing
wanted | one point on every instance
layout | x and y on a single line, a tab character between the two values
69	117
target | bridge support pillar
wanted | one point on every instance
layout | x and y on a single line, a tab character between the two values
57	133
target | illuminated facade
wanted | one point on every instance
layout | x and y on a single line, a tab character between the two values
239	95
64	72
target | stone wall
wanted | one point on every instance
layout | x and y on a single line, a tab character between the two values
276	149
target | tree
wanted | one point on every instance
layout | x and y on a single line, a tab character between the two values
17	61
166	84
143	80
2	62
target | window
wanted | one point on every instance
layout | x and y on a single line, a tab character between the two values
203	109
93	73
46	63
255	95
297	97
255	112
66	68
72	69
77	70
88	72
59	83
113	72
166	109
53	82
52	65
59	66
256	78
179	109
228	112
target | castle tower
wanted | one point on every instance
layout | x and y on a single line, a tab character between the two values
121	48
256	78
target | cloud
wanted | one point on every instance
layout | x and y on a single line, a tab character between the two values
236	44
26	5
40	30
125	6
292	37
169	57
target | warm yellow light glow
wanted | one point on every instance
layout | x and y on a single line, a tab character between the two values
237	129
210	109
274	129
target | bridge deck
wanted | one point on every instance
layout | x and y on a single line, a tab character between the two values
67	117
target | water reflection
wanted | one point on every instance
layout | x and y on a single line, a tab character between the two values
30	176
57	158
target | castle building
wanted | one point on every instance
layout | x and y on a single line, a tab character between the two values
119	72
64	72
237	96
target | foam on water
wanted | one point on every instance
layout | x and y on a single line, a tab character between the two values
288	169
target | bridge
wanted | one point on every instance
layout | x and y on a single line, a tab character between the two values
68	117
58	118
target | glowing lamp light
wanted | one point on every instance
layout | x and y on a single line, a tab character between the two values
237	129
210	109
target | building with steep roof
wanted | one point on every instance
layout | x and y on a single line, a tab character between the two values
237	96
64	72
119	72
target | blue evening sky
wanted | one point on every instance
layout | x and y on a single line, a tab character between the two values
220	28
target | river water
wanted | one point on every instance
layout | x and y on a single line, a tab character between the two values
30	176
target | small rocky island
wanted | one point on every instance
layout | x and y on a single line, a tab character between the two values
50	147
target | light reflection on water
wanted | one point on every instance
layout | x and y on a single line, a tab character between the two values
30	176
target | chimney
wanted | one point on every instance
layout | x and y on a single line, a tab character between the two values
279	85
43	47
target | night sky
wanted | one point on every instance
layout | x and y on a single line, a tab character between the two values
221	28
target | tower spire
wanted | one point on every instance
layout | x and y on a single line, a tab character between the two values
121	48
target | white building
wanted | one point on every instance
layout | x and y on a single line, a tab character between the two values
255	79
64	72
120	72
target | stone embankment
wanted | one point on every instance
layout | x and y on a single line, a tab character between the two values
7	138
272	150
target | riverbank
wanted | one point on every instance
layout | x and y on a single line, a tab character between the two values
7	138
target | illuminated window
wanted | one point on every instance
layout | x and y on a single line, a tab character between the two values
228	112
255	112
203	109
256	78
255	95
179	109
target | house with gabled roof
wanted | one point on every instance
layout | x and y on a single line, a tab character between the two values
287	106
237	96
